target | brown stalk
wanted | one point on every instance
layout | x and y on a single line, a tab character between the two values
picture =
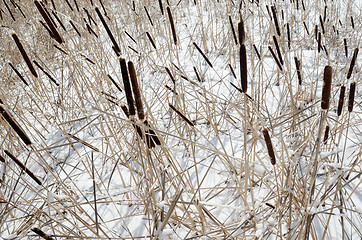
127	87
21	165
173	29
269	146
17	73
14	124
182	116
203	55
353	62
49	21
42	234
341	100
110	35
352	90
24	54
327	84
243	69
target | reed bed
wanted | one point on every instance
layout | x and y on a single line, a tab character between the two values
180	119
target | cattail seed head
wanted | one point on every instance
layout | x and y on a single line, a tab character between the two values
136	91
326	133
327	83
243	68
269	146
352	90
341	100
241	32
173	29
353	62
127	87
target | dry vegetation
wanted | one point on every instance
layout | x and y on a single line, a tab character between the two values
180	119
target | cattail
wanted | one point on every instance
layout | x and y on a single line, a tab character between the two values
327	83
278	50
182	116
70	6
47	28
322	25
203	55
319	41
306	28
233	30
60	49
47	12
274	11
127	87
345	47
288	35
19	75
352	90
110	35
14	124
341	100
232	70
50	22
269	146
275	58
47	74
21	165
42	234
90	18
326	133
243	69
173	29
136	91
297	65
353	62
270	205
59	21
257	52
2	159
24	54
352	22
151	40
161	7
316	32
130	37
197	75
152	133
11	14
241	32
169	73
148	15
76	5
75	28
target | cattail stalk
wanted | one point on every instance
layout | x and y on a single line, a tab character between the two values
243	69
22	166
14	124
327	84
269	146
127	87
353	62
352	90
24	54
110	35
49	21
173	29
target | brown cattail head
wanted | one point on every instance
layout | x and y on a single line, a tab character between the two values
269	146
24	54
203	55
327	83
297	65
14	124
274	11
127	87
241	32
21	165
353	62
2	159
42	234
352	90
341	100
278	50
173	29
49	22
326	133
243	69
136	91
19	75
